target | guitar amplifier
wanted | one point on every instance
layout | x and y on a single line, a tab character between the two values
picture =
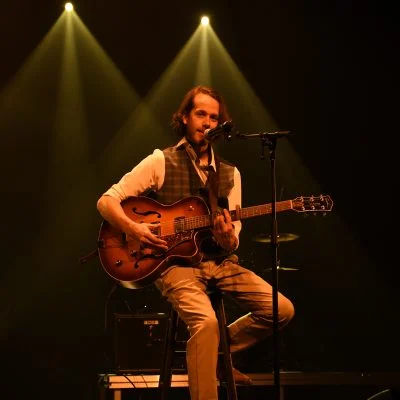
139	343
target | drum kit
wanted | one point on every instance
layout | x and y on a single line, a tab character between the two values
282	237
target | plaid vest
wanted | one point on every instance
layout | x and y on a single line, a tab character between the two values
182	180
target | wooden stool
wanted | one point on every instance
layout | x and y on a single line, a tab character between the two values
224	350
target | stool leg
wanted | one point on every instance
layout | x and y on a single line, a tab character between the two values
218	303
164	383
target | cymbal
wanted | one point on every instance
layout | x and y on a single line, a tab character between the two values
282	237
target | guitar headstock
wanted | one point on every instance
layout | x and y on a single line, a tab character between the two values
312	204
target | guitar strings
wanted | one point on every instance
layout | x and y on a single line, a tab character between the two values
315	204
201	221
182	224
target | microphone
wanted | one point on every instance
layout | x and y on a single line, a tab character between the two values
224	129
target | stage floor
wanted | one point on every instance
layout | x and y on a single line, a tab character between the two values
311	384
286	378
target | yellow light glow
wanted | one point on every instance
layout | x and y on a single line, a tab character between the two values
205	21
69	7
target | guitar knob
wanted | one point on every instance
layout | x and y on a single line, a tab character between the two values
118	263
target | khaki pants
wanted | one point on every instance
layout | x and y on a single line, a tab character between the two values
185	288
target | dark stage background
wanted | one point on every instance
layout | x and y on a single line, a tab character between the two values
326	71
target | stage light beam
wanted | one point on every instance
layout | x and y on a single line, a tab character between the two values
69	7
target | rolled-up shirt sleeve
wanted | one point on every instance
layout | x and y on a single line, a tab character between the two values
148	174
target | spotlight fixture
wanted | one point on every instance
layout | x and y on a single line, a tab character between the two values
205	21
69	7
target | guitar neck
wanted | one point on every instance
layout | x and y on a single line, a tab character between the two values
205	221
256	211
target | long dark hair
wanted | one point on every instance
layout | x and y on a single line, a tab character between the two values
187	104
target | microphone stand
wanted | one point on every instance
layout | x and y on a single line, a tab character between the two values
270	139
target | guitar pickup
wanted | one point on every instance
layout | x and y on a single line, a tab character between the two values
179	224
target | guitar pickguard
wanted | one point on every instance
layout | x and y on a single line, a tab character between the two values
173	241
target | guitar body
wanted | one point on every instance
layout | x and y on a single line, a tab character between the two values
135	267
185	226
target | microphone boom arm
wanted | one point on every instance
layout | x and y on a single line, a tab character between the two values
261	135
267	139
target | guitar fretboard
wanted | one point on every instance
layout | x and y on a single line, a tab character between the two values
264	209
203	221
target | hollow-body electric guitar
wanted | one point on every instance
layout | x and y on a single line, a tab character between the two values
183	225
